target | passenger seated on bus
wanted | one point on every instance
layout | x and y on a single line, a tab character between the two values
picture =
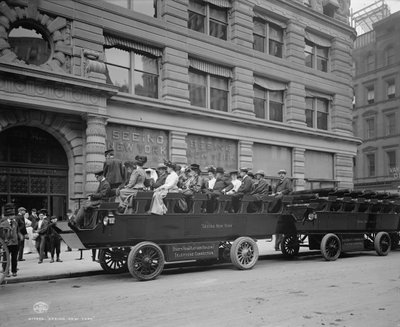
234	183
157	206
162	176
194	184
94	200
135	184
214	189
260	191
151	178
245	187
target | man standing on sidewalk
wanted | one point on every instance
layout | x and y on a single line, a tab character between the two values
12	235
22	229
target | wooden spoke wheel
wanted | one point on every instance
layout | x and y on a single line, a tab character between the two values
290	245
146	261
244	253
382	243
114	260
4	259
331	247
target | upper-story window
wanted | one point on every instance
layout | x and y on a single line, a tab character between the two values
133	67
317	113
269	99
316	52
211	19
391	89
389	55
370	94
209	85
370	130
147	7
391	160
268	37
370	62
370	164
390	122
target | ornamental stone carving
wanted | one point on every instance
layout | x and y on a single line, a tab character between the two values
58	29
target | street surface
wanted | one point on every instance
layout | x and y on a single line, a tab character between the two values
359	289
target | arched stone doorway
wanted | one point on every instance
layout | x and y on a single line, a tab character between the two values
33	170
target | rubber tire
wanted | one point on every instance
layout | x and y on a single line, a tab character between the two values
290	247
244	253
330	240
134	258
4	249
382	243
121	265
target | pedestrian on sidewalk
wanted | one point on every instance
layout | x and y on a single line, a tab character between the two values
20	219
54	239
12	235
29	230
41	230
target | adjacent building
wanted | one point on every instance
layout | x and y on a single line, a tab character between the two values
264	84
377	103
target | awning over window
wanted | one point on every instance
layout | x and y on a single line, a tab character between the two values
269	19
220	3
210	68
333	3
270	84
117	42
318	40
316	94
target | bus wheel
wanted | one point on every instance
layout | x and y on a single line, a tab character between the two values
290	245
113	260
4	259
331	247
146	261
382	243
244	253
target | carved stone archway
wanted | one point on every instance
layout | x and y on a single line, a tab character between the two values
67	130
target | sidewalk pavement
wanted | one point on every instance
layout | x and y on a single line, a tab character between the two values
30	270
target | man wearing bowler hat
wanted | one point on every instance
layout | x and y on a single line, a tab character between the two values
94	201
12	235
113	169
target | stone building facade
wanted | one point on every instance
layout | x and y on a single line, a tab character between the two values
258	83
377	102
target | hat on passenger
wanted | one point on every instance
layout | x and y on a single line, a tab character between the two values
129	164
108	151
161	166
140	160
250	173
245	169
282	171
260	172
220	170
233	172
9	209
99	173
21	209
195	167
211	169
43	211
170	164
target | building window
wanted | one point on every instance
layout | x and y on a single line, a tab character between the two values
370	128
132	72
389	56
268	38
391	89
370	62
390	124
370	164
268	104
208	91
370	95
317	110
147	7
209	19
316	56
391	160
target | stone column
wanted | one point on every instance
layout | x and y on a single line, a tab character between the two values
294	42
95	147
246	154
343	164
242	92
178	146
298	168
296	104
241	21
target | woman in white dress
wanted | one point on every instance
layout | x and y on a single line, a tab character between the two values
29	229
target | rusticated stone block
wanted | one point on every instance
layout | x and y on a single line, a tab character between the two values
8	12
57	24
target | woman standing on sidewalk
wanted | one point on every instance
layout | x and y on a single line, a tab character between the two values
29	230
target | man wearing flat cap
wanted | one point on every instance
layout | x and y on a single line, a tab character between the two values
11	236
113	169
20	219
94	200
135	184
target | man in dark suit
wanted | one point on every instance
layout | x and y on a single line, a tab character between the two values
20	219
11	236
245	188
113	169
260	191
94	201
41	229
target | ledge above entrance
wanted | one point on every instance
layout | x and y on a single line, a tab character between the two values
34	88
